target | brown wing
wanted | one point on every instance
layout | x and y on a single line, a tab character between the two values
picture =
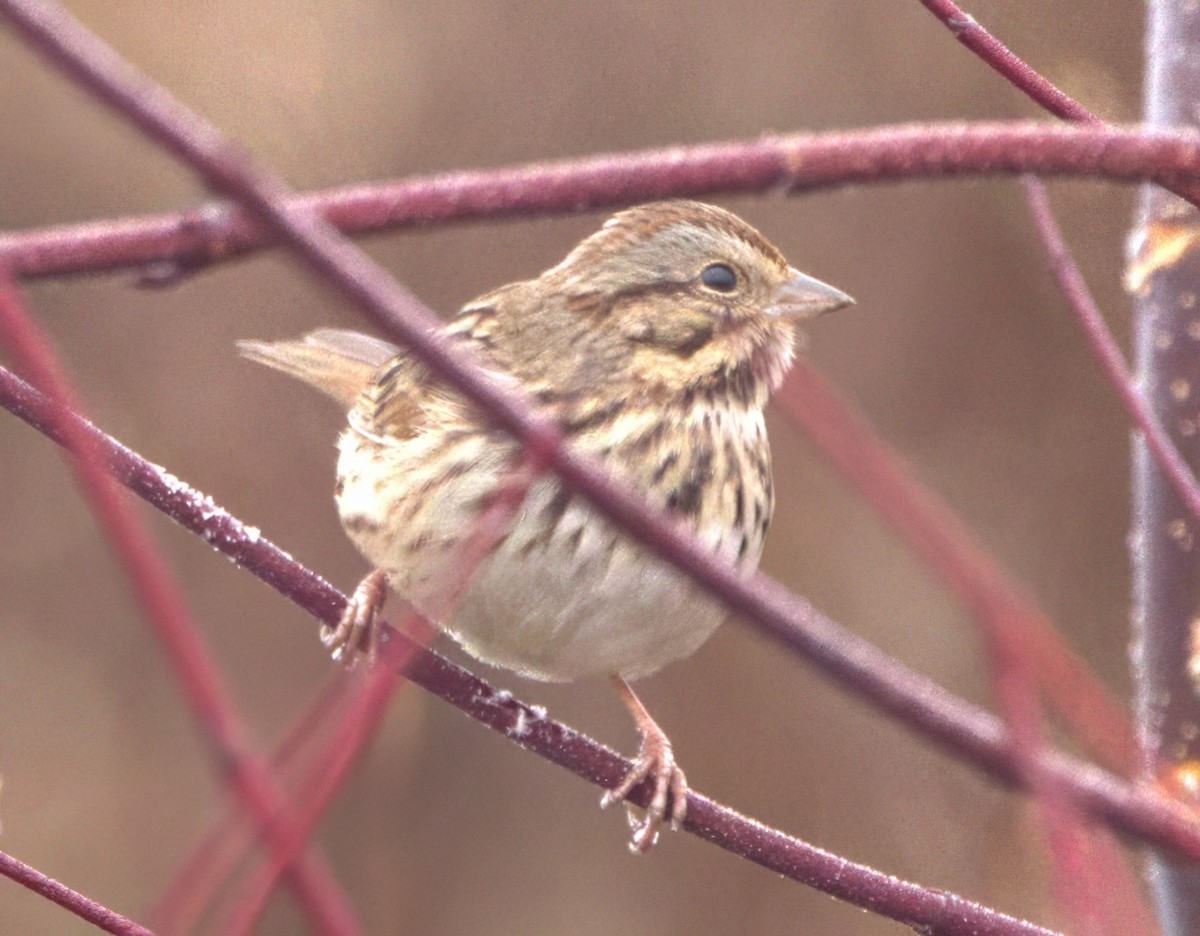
402	398
393	401
514	333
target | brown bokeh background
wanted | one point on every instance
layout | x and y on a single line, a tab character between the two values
959	350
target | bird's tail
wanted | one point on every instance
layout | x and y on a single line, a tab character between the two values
337	362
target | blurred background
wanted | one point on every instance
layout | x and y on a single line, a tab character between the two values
959	350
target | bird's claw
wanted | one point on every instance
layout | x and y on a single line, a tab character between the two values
356	635
668	802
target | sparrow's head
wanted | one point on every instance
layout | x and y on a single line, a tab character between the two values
691	290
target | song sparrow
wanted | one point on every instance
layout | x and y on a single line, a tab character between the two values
654	345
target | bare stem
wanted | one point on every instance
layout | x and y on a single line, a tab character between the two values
164	605
1026	654
1100	340
83	907
166	246
997	56
350	737
1107	352
213	861
933	531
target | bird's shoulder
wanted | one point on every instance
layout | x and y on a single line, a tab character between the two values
403	398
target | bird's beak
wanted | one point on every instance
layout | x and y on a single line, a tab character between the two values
803	297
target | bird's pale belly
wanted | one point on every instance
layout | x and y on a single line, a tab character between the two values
563	595
585	602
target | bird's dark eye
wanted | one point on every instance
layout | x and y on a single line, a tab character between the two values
719	276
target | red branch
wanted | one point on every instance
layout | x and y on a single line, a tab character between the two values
83	907
1141	813
164	605
1021	639
350	736
1090	880
212	862
944	542
1107	352
1002	60
1100	340
163	246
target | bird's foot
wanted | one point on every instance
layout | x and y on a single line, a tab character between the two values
668	802
356	635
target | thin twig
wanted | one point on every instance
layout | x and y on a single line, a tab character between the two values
350	736
1100	340
1021	639
931	528
1106	350
212	862
83	907
162	247
162	600
1011	67
1140	813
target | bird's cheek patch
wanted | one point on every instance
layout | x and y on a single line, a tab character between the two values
682	332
